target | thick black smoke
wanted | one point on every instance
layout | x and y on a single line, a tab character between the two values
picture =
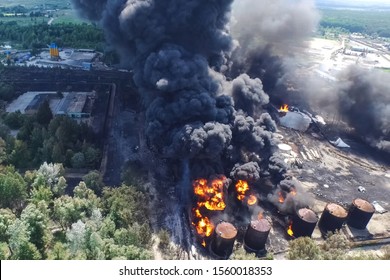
249	172
177	49
270	33
364	102
289	196
248	94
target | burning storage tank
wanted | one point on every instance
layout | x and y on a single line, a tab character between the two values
256	235
224	236
360	213
333	217
303	223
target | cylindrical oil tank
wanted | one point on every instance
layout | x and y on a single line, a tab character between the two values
256	235
360	213
224	237
333	217
304	222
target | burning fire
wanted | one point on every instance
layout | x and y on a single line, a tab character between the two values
242	188
281	197
260	216
251	200
211	197
290	231
284	108
293	192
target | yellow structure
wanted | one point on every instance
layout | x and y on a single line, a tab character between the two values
54	52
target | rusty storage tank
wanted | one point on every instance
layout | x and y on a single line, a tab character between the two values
224	236
360	213
256	235
333	217
304	222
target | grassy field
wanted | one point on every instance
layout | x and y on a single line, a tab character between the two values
63	14
33	3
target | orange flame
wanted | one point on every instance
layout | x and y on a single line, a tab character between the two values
293	192
260	216
204	227
241	187
210	196
204	243
284	108
290	231
281	197
251	200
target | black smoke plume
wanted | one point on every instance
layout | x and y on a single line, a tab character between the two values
197	121
364	102
270	34
176	49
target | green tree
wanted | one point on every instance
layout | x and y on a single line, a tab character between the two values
60	187
125	206
95	247
41	193
91	156
304	248
13	189
7	92
3	151
335	246
37	221
241	254
20	155
44	114
78	160
19	243
94	181
7	218
14	120
51	175
76	237
131	252
4	251
88	197
60	251
67	210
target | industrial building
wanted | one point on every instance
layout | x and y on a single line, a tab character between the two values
76	105
53	57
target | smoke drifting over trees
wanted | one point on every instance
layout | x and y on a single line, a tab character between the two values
204	79
178	50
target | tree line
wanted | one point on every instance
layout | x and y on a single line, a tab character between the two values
374	23
46	138
39	221
39	35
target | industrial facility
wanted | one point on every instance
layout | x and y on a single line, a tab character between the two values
53	56
77	105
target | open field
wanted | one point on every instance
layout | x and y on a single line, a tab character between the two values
33	3
53	11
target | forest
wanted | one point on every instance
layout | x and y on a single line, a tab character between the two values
46	138
40	219
39	35
371	22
